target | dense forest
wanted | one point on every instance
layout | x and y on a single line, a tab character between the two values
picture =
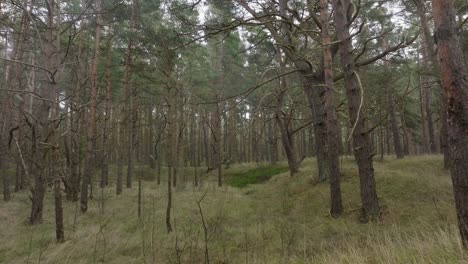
234	131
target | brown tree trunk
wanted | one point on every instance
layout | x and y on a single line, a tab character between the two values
176	129
171	141
105	133
59	232
454	82
57	179
283	122
169	199
131	101
431	56
119	150
362	145
132	139
333	141
395	128
313	89
19	174
41	141
397	144
427	101
73	142
139	197
425	137
151	144
91	133
444	134
5	176
288	143
219	143
10	117
406	136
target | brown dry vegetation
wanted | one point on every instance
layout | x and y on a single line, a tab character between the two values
284	220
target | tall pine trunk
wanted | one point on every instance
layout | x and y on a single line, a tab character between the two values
361	142
455	85
107	117
333	141
91	132
171	141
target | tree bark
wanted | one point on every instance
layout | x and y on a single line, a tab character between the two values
454	82
132	114
57	179
59	232
431	56
41	140
395	128
219	143
333	141
283	122
105	133
362	145
120	155
5	176
171	141
151	144
91	133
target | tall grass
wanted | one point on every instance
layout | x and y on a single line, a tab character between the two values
283	220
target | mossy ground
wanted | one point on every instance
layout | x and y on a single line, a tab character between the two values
282	220
254	176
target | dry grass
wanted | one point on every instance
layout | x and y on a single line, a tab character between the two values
281	221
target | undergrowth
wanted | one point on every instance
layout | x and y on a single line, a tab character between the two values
284	220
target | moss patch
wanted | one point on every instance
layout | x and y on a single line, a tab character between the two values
254	176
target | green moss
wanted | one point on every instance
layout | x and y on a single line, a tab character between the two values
254	176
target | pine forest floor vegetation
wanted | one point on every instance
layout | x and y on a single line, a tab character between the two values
281	220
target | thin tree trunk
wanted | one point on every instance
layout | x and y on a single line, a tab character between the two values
76	127
151	144
91	133
283	123
429	57
120	163
5	176
132	134
333	141
169	199
389	88
394	127
171	141
425	138
219	144
131	115
19	176
59	230
105	134
139	197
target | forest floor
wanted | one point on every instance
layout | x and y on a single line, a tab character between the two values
282	220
